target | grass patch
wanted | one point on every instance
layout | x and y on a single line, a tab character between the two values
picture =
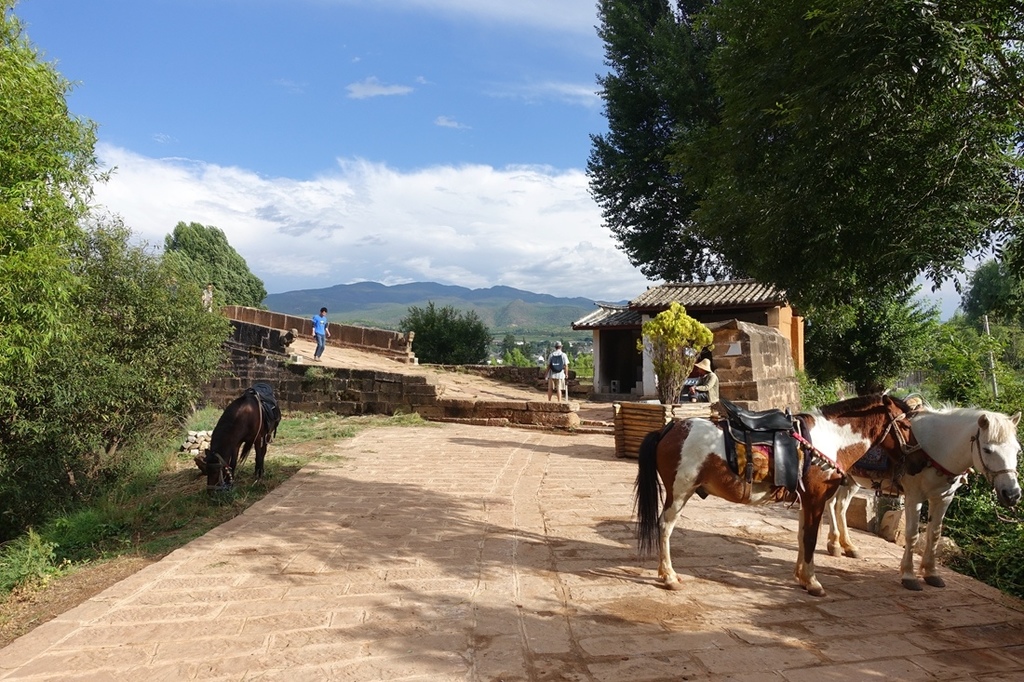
160	502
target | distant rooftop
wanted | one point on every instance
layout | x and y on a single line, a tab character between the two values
739	293
694	296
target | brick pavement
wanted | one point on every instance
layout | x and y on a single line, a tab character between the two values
452	552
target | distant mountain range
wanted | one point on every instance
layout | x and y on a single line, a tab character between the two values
503	309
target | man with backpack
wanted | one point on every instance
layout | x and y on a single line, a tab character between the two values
558	372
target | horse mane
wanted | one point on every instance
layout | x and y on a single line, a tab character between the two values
860	402
1001	428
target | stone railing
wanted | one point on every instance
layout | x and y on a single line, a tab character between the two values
392	344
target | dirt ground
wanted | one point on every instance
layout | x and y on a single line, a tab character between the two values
25	609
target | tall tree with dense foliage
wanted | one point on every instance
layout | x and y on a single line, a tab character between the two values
47	166
447	336
868	142
991	290
656	95
203	255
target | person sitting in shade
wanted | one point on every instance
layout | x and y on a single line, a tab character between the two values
706	389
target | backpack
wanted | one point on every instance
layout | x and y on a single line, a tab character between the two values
556	363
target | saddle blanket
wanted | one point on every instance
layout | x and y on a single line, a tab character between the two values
874	459
761	457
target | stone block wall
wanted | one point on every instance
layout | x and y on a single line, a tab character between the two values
395	345
755	367
534	377
254	336
350	392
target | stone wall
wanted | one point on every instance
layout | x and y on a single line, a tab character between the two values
532	377
755	367
255	337
395	345
350	392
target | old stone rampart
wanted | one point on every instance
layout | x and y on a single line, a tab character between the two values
391	344
350	392
532	377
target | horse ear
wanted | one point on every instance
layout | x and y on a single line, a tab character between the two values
983	421
1015	418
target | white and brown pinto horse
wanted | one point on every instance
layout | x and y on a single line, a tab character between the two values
949	442
689	456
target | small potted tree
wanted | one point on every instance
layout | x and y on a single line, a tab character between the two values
674	341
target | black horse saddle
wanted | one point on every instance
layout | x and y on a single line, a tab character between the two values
769	428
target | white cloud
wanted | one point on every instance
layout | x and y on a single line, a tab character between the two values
529	227
372	87
582	94
448	122
294	87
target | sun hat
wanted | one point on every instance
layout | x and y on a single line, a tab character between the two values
704	364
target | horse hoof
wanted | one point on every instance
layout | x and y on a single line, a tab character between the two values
852	553
935	581
912	584
834	551
818	591
674	585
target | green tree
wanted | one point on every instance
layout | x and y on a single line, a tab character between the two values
583	365
656	95
991	290
446	336
958	364
139	350
516	358
509	344
47	166
869	142
674	340
203	255
870	342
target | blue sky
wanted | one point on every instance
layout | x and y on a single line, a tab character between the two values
337	141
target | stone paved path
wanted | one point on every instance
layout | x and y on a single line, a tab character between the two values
451	552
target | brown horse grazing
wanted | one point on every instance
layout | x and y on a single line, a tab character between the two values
251	419
690	456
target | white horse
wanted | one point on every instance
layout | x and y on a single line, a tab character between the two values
949	442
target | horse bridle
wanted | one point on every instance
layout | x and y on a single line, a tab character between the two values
989	474
226	478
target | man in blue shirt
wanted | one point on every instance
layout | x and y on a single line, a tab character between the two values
320	333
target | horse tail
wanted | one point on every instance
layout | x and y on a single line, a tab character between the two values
647	494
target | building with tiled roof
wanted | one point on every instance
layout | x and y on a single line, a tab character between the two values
620	369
